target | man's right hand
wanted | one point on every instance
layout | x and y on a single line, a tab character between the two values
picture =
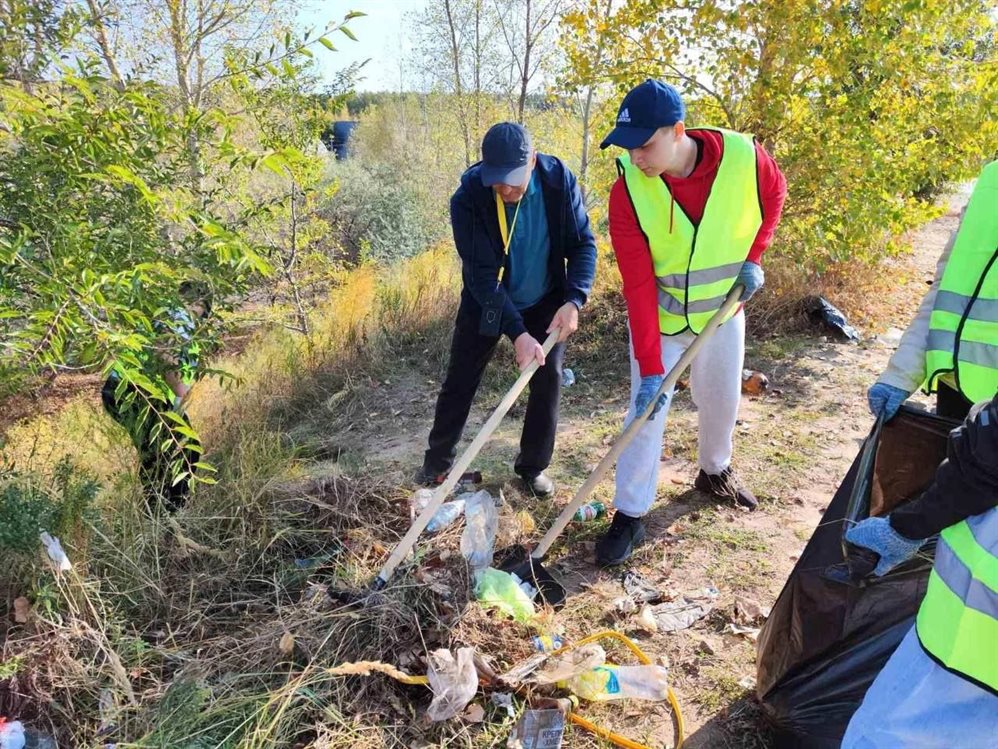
649	386
527	350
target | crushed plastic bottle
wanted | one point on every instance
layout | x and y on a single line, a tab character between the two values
446	515
547	643
501	590
567	378
14	735
479	537
590	511
609	682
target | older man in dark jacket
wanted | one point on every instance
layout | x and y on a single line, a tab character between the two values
528	260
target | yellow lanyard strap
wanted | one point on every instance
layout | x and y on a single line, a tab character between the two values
507	235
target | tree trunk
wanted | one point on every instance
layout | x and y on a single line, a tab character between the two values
528	43
100	36
456	59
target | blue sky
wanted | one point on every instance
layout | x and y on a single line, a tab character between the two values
381	36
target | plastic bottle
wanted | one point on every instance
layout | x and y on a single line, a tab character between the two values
13	735
567	378
479	537
447	514
609	682
590	511
547	643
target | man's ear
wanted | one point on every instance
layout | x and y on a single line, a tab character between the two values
679	129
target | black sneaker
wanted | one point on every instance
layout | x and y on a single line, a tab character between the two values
725	485
617	545
540	485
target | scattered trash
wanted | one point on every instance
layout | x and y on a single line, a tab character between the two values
14	735
313	562
571	664
454	682
479	537
469	480
747	682
646	620
748	611
22	610
754	383
502	590
547	643
521	671
54	550
287	644
504	701
683	613
609	682
750	633
821	312
446	515
567	378
364	668
624	605
474	714
590	511
640	590
538	729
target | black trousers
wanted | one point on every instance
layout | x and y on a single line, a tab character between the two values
469	353
157	469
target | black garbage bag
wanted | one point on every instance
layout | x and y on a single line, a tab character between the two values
831	631
822	312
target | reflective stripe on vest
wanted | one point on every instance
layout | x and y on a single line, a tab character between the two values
963	328
957	623
696	266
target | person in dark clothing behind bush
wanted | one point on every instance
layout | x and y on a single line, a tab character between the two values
167	456
528	260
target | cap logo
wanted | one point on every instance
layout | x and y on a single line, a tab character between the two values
624	116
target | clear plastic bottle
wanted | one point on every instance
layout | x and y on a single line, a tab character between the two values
547	643
14	735
447	514
481	525
609	682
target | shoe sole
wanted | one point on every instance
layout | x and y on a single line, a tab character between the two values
635	542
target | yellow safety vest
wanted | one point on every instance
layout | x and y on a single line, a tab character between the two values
963	329
696	265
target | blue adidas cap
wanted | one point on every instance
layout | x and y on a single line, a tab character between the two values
646	108
506	150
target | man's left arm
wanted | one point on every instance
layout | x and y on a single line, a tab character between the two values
580	256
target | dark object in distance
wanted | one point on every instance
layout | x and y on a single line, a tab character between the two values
336	138
822	312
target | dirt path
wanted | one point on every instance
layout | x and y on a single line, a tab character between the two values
794	445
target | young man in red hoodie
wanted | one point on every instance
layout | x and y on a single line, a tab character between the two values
690	216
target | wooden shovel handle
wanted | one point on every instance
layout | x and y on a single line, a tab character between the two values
460	466
635	426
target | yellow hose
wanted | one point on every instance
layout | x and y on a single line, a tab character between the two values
578	720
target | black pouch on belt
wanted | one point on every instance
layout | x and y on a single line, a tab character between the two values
491	315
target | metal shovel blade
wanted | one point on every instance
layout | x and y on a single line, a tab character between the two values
516	560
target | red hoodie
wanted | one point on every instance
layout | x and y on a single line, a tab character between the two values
634	255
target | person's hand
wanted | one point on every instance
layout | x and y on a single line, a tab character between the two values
885	400
752	278
527	350
877	535
565	321
649	386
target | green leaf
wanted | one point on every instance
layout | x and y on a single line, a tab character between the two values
354	14
326	43
348	32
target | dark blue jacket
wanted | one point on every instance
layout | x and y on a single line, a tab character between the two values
479	242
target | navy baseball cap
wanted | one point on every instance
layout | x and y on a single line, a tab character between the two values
646	108
506	150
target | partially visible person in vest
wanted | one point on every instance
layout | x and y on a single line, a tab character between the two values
691	214
939	689
172	363
528	259
951	347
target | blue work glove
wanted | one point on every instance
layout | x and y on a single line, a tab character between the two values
885	400
877	535
649	386
752	278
